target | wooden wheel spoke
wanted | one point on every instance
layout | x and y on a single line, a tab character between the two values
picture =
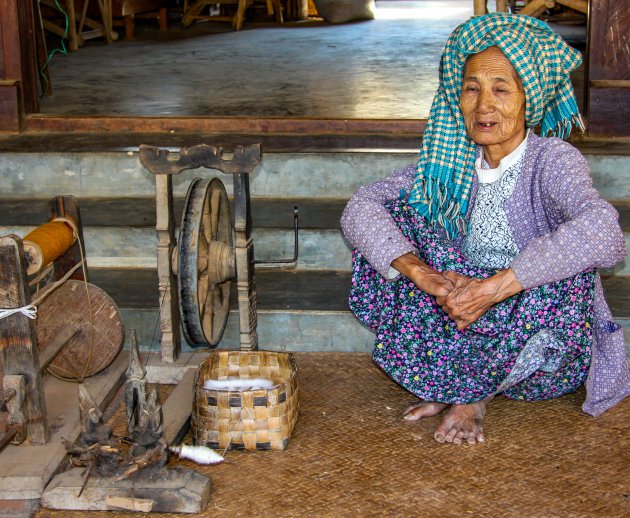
208	311
215	205
218	298
202	256
206	221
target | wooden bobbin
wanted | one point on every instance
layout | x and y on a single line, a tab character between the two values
48	242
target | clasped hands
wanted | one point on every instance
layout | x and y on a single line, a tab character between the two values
464	299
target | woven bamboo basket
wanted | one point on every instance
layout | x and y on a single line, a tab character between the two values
253	419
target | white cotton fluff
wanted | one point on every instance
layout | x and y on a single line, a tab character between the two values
239	384
198	454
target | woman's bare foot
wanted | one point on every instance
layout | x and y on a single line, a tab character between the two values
423	409
463	422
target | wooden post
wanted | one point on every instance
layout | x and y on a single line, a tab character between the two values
18	342
608	68
135	384
18	63
480	7
167	283
244	255
68	207
533	8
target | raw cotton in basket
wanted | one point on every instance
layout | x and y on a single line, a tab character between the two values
239	384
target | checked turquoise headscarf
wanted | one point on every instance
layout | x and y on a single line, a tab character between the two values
543	61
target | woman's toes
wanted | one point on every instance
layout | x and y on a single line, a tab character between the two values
423	409
451	435
413	413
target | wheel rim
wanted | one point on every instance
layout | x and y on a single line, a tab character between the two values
206	262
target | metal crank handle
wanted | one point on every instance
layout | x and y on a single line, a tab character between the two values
295	245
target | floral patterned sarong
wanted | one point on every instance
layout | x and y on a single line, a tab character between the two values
534	345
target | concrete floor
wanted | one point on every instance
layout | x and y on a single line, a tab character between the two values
383	68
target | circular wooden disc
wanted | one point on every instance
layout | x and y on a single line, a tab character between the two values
64	316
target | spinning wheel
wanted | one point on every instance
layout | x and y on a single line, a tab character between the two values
204	261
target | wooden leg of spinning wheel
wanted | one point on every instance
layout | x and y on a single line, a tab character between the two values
169	304
244	253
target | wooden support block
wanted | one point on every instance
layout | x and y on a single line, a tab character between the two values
176	490
25	470
177	409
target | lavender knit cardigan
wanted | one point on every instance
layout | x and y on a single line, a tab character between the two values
561	227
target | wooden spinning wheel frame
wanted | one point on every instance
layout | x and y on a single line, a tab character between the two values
211	266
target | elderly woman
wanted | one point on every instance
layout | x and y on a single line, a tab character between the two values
477	267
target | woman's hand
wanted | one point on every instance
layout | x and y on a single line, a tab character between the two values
471	298
422	275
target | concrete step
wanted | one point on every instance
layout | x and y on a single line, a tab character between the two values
314	213
325	249
297	310
290	289
28	176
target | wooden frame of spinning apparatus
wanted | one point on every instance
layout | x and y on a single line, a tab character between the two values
239	164
21	364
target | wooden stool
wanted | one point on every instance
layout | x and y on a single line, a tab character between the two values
536	7
532	7
192	12
76	35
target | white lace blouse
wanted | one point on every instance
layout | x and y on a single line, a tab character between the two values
490	242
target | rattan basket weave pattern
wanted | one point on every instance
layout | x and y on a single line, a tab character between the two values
251	420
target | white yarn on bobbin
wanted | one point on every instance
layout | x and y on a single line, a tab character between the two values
198	454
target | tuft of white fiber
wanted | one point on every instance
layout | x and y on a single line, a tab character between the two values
198	454
239	384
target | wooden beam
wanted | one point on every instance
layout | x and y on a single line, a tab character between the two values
532	7
578	5
223	125
178	407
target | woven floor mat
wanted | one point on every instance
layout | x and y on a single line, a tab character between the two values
351	454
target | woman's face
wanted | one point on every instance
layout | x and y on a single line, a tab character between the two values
493	100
